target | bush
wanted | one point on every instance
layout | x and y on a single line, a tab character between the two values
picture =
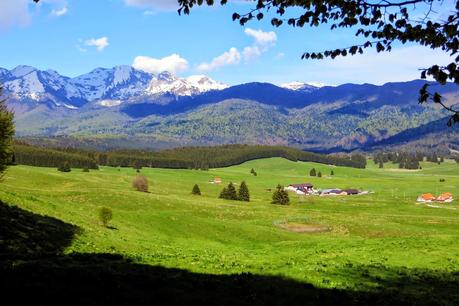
280	196
312	172
65	167
442	180
332	173
140	183
85	169
196	190
105	215
243	194
319	174
253	172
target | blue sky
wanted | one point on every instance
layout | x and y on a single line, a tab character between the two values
76	36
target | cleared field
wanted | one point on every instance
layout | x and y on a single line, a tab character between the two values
372	240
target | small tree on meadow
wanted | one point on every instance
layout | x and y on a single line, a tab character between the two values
229	193
65	167
280	196
223	194
319	174
105	215
332	173
253	172
85	169
243	194
196	190
140	183
312	172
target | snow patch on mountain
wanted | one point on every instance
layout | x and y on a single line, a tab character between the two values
166	82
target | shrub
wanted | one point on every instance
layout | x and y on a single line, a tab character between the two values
65	167
332	173
253	172
319	174
243	194
196	190
442	180
105	215
140	183
312	172
280	196
85	169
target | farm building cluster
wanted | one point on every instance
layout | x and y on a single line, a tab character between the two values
308	189
446	197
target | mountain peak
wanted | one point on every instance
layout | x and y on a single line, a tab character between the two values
22	70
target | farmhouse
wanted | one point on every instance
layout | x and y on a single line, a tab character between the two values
426	197
446	197
332	192
305	188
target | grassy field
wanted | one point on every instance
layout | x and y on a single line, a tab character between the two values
374	240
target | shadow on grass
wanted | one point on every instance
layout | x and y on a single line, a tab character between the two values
34	270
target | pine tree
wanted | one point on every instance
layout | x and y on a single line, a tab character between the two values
65	167
232	194
312	172
243	194
223	194
319	174
196	190
280	196
332	173
6	133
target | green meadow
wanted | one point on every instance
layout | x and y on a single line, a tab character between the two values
371	239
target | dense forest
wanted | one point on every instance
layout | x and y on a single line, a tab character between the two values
179	158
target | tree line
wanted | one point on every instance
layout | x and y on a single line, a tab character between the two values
406	160
180	158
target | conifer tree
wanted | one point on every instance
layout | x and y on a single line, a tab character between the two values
223	194
65	167
6	134
243	194
319	174
196	190
232	194
280	196
312	172
332	173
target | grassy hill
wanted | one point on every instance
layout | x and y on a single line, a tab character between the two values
381	243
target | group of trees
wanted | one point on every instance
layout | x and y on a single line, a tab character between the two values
280	196
24	154
406	160
179	158
230	193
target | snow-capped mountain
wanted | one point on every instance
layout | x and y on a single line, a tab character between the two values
106	86
118	83
165	82
300	86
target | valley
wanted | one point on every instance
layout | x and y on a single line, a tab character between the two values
380	241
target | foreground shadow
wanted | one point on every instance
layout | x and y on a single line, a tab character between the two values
33	270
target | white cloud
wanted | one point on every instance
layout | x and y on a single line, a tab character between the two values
20	12
230	57
250	53
163	5
280	55
14	13
173	63
263	42
262	39
99	43
60	12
